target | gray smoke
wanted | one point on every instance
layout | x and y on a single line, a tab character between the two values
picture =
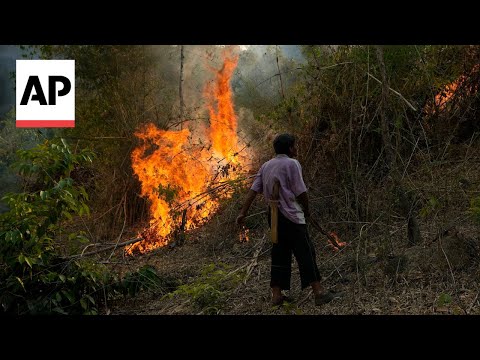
8	55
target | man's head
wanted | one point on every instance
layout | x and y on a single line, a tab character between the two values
285	144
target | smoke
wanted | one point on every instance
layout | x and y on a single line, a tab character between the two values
11	138
8	55
255	80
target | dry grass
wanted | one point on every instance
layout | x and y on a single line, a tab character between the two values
377	271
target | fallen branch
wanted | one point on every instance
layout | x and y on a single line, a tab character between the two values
128	242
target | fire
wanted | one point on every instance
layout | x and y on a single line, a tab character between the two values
243	235
223	121
446	94
337	240
177	174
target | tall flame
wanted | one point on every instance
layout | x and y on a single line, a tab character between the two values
223	121
177	174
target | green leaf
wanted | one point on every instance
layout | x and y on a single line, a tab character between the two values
90	298
69	296
60	310
21	258
21	283
28	261
84	303
62	277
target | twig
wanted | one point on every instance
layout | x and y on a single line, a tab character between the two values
259	213
309	294
123	227
408	163
128	242
473	303
395	92
252	264
448	262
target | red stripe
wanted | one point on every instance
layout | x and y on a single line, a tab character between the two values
45	123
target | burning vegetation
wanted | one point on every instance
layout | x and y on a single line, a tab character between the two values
181	174
449	90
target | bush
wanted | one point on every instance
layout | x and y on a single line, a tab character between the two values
34	277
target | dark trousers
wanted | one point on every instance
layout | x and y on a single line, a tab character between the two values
292	238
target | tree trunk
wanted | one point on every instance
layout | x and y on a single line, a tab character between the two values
387	144
280	74
407	202
180	88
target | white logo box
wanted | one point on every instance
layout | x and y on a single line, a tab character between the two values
48	80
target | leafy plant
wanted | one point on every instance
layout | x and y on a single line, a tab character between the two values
35	278
209	292
290	308
444	299
432	204
146	278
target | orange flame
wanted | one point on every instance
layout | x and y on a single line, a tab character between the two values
223	121
337	240
446	94
243	235
177	174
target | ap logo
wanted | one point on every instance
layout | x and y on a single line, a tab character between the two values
45	93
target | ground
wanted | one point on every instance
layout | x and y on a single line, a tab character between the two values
371	284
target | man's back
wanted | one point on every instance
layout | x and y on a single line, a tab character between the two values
289	173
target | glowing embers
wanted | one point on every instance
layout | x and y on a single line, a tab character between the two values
243	235
337	240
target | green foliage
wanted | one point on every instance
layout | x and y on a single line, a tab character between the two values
209	292
118	88
146	278
35	279
11	139
50	159
444	299
433	204
291	308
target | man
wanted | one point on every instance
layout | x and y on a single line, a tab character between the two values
292	215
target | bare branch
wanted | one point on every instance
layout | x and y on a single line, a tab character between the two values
395	92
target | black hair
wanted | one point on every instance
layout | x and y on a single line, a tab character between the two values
282	143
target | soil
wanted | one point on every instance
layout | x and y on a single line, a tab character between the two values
414	280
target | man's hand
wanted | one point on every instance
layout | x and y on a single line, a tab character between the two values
248	201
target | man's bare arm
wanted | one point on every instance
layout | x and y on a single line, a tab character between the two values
246	205
303	201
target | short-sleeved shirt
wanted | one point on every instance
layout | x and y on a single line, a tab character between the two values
289	173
